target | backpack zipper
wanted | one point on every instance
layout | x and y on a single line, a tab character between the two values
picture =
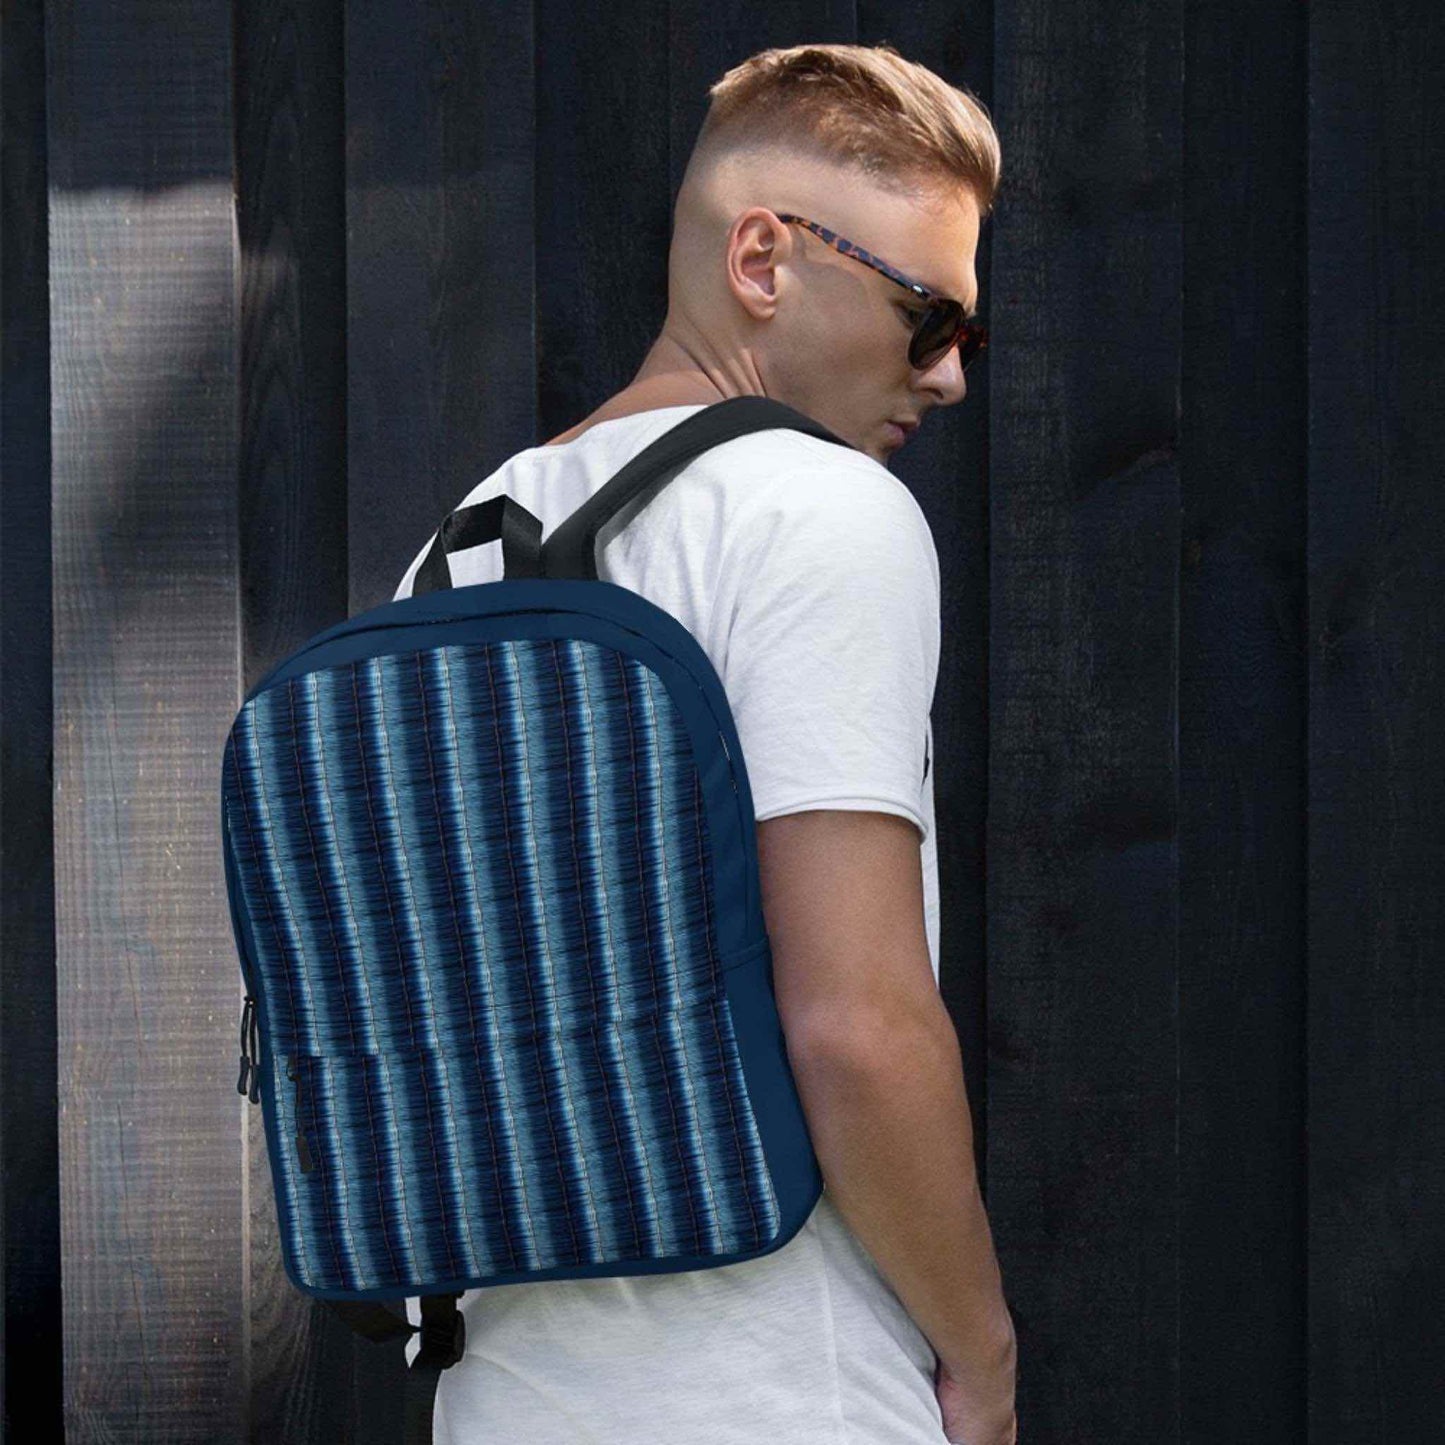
303	1150
732	778
748	902
250	1053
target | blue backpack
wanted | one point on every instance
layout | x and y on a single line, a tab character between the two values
491	862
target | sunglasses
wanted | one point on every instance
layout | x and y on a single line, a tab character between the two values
941	325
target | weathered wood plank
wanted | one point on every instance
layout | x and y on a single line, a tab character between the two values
143	340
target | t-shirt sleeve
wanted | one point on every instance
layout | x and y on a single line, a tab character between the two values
829	585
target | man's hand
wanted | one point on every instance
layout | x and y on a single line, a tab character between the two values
964	1423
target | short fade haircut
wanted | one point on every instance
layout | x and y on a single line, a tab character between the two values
862	106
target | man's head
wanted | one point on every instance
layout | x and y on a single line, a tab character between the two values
877	150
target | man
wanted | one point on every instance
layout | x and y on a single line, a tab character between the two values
809	576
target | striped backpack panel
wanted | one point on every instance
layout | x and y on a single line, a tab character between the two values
491	863
484	933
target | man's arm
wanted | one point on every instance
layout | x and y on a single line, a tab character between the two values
879	1072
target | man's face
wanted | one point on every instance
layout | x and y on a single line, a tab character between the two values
842	354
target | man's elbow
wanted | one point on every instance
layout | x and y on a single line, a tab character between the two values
880	1038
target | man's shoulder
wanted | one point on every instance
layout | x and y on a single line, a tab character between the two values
781	473
808	516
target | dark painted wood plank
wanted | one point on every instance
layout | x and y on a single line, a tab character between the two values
440	237
1376	800
143	344
302	1369
31	1324
1083	771
606	190
604	210
1241	723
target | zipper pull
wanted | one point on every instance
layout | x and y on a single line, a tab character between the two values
255	1053
247	1017
303	1149
732	777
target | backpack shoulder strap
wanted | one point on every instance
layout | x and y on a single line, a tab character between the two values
443	1331
571	550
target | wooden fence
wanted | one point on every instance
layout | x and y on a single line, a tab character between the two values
281	282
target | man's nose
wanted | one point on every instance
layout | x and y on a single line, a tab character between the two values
946	378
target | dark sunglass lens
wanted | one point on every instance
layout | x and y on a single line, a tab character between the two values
933	337
937	332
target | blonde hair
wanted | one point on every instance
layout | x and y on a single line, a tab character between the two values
863	106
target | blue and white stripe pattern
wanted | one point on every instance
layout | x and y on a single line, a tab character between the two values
478	884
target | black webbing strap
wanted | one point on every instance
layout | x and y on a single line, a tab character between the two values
501	516
571	550
443	1331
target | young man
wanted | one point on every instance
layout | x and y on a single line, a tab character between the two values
809	576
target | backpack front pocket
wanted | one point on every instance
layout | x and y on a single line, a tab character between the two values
614	1141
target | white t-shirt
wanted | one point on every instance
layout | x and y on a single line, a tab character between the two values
808	574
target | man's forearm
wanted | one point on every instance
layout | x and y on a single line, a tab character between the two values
891	1128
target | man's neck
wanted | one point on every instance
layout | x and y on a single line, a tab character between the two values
648	394
672	388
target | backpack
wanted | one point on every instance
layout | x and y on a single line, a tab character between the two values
491	863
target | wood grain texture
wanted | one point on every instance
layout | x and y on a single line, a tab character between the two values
1083	808
279	284
604	209
1242	925
441	162
1376	794
143	328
